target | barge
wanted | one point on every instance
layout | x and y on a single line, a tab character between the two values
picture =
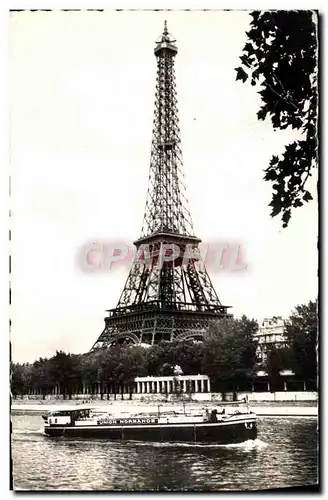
216	425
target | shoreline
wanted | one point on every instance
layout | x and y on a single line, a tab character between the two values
283	409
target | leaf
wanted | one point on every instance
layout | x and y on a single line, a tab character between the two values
245	60
274	160
307	196
261	115
270	175
276	209
249	48
255	15
241	74
286	217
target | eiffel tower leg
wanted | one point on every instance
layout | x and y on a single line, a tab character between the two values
154	333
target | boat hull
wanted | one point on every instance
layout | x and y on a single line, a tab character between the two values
211	433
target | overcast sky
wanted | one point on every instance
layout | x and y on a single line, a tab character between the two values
82	88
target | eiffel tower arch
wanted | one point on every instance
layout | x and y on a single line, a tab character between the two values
168	293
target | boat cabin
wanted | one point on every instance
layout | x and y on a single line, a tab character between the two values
68	415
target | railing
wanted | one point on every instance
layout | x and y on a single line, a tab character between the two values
173	307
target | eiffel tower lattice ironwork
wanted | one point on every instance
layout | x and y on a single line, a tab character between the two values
168	293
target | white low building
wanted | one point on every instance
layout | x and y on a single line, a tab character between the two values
181	384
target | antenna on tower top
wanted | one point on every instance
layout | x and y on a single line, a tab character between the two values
165	28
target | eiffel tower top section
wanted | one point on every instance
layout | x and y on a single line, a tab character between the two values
167	209
165	42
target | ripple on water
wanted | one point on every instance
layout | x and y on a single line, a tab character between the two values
285	454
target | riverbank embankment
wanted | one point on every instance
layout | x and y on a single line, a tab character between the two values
263	409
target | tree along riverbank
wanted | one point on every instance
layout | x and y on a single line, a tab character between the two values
228	355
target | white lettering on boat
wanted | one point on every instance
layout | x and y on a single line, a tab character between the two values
123	421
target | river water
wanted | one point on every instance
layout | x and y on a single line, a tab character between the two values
285	454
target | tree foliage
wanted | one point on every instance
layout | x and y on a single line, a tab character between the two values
230	351
119	365
164	356
227	356
278	360
302	334
281	56
17	379
63	370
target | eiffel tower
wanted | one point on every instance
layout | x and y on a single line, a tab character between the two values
168	293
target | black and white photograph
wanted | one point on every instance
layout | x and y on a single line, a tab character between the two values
163	250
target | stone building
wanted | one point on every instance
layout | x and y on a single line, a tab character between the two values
270	334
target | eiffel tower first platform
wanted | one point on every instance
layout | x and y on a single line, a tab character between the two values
168	293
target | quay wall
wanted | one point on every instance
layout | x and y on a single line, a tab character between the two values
261	409
280	396
253	397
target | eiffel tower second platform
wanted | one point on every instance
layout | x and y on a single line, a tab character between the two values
168	293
